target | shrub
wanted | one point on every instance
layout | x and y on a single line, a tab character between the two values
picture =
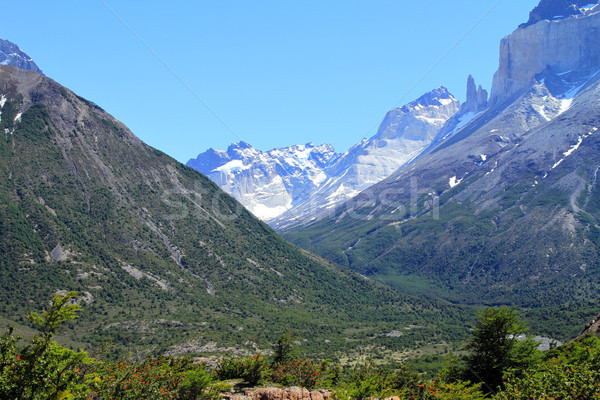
571	372
254	369
365	381
250	369
194	385
297	372
153	378
230	368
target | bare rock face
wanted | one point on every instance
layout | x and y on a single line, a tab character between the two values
563	45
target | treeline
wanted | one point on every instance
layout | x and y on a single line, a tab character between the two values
499	363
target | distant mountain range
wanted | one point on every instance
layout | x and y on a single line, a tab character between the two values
291	185
504	205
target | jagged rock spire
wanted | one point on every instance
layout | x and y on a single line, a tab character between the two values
477	97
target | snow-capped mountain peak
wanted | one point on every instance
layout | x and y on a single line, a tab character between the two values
11	54
294	182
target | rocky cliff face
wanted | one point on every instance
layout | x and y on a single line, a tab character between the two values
562	43
11	54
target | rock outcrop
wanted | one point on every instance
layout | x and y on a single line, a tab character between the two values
291	393
562	44
592	327
273	393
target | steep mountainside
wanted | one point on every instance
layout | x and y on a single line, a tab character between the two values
504	210
165	260
11	54
286	186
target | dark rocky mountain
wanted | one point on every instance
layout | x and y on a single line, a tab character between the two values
11	54
504	209
165	261
558	9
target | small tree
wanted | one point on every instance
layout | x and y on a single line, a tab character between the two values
497	346
284	351
43	369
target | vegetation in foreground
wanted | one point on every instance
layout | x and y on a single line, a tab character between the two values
499	364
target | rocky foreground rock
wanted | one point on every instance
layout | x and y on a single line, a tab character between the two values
291	393
274	393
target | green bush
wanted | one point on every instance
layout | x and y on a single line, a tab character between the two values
230	368
569	372
364	381
298	373
254	369
194	385
250	369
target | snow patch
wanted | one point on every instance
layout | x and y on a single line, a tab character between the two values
454	182
541	111
588	7
565	104
18	117
447	101
343	191
319	179
573	148
463	121
234	165
266	213
2	101
574	90
483	157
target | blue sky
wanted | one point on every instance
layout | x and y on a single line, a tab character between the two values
189	75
